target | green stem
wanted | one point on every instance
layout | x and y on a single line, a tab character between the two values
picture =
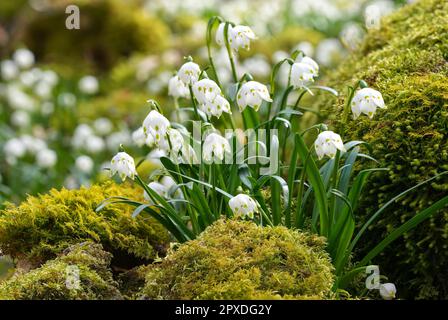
194	102
229	52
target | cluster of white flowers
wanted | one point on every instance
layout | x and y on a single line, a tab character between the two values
16	148
210	98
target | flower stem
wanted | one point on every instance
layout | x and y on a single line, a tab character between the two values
194	102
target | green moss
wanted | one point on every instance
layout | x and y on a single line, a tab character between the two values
406	60
42	226
49	282
239	260
109	31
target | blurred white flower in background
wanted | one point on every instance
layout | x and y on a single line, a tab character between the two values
14	148
88	85
20	118
95	144
328	51
84	164
24	58
114	140
47	108
46	158
9	70
306	47
103	126
154	156
67	99
18	99
81	134
140	139
257	66
33	144
352	35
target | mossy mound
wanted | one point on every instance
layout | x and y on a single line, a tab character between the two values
407	61
42	226
239	260
109	31
52	280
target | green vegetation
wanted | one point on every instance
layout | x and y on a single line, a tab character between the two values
43	226
239	260
406	60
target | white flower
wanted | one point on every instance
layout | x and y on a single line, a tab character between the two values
84	164
140	139
82	133
158	188
304	72
156	125
95	144
168	182
189	73
177	89
220	34
9	70
366	101
14	148
216	106
388	291
215	147
103	126
327	143
32	144
20	118
124	165
88	85
114	140
24	58
155	155
46	158
252	94
242	204
205	90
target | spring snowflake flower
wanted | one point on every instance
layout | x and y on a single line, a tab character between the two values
366	101
238	36
327	143
388	291
242	204
252	94
189	73
205	90
177	89
158	188
84	164
46	158
156	125
24	58
303	72
124	165
173	142
9	70
216	106
215	147
88	85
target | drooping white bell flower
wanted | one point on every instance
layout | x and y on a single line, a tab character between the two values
220	34
303	72
216	106
215	147
176	141
88	85
46	158
158	188
205	90
140	139
241	37
177	89
242	204
156	125
366	101
252	94
24	58
327	143
124	165
388	291
84	164
189	73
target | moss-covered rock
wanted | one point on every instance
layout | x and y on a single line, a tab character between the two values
407	61
240	260
109	31
42	226
86	262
